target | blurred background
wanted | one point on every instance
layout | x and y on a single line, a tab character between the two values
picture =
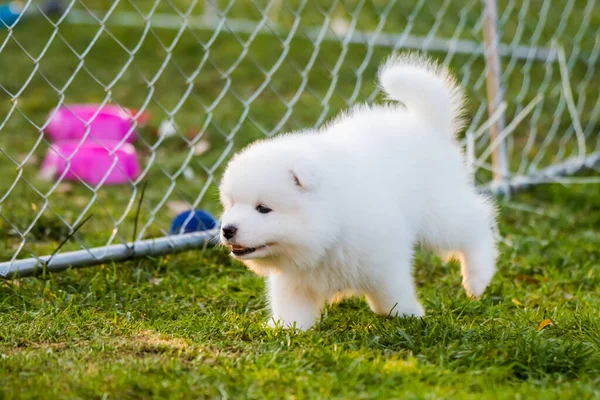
197	80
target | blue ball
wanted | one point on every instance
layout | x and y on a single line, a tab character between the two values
199	220
9	13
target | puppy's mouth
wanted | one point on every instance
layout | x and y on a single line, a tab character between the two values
244	251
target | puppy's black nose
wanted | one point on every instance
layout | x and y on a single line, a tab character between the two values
229	231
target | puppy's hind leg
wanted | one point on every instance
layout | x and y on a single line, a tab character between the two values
478	265
476	247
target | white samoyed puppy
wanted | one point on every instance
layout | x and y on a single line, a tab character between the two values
337	211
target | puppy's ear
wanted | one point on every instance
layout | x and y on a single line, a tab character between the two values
305	176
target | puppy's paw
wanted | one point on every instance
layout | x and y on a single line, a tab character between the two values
476	284
414	310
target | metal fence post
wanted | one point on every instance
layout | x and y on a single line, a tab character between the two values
495	95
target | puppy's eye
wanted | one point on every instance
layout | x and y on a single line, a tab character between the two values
263	209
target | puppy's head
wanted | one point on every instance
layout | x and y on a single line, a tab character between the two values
275	205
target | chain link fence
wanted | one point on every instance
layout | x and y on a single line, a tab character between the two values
100	98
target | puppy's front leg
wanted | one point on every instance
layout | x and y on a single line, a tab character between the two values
291	305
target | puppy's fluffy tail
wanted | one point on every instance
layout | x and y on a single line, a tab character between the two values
426	89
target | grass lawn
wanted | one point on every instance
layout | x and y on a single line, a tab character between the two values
191	325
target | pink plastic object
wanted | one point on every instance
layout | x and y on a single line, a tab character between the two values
91	162
111	123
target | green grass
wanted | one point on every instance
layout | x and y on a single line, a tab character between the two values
191	325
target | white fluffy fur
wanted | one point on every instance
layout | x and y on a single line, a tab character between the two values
351	200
